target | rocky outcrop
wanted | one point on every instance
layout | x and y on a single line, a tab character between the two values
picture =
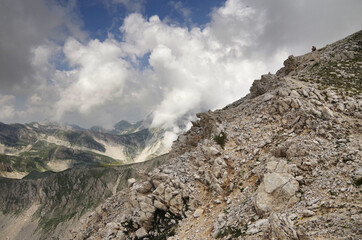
290	65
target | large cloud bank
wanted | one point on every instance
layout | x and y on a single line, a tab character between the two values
167	70
155	68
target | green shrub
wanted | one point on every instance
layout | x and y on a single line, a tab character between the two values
358	182
221	139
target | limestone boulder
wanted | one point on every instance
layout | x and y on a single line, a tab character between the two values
275	192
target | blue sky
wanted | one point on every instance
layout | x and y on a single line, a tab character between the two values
96	62
99	18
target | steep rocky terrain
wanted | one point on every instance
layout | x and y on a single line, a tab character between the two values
45	205
54	147
284	162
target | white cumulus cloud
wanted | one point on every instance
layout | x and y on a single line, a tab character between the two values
197	69
99	77
7	109
184	71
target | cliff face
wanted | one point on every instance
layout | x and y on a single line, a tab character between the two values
284	162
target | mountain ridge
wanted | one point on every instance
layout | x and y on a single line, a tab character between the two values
54	147
55	200
283	162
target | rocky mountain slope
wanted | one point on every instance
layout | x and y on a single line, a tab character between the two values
284	162
54	147
45	205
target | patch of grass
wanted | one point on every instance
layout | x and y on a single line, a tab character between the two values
333	193
110	164
6	159
80	138
21	163
326	77
226	210
343	75
52	223
300	191
35	158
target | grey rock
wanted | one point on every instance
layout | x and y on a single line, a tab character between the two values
160	189
141	233
198	212
283	93
159	205
305	92
281	228
316	112
143	187
357	173
293	216
296	149
121	235
290	65
272	181
130	182
307	213
340	107
275	190
147	208
295	103
267	97
168	194
327	113
258	226
219	225
213	151
283	106
176	205
294	93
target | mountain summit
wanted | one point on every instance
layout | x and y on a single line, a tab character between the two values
284	162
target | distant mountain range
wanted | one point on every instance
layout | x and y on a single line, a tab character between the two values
51	146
